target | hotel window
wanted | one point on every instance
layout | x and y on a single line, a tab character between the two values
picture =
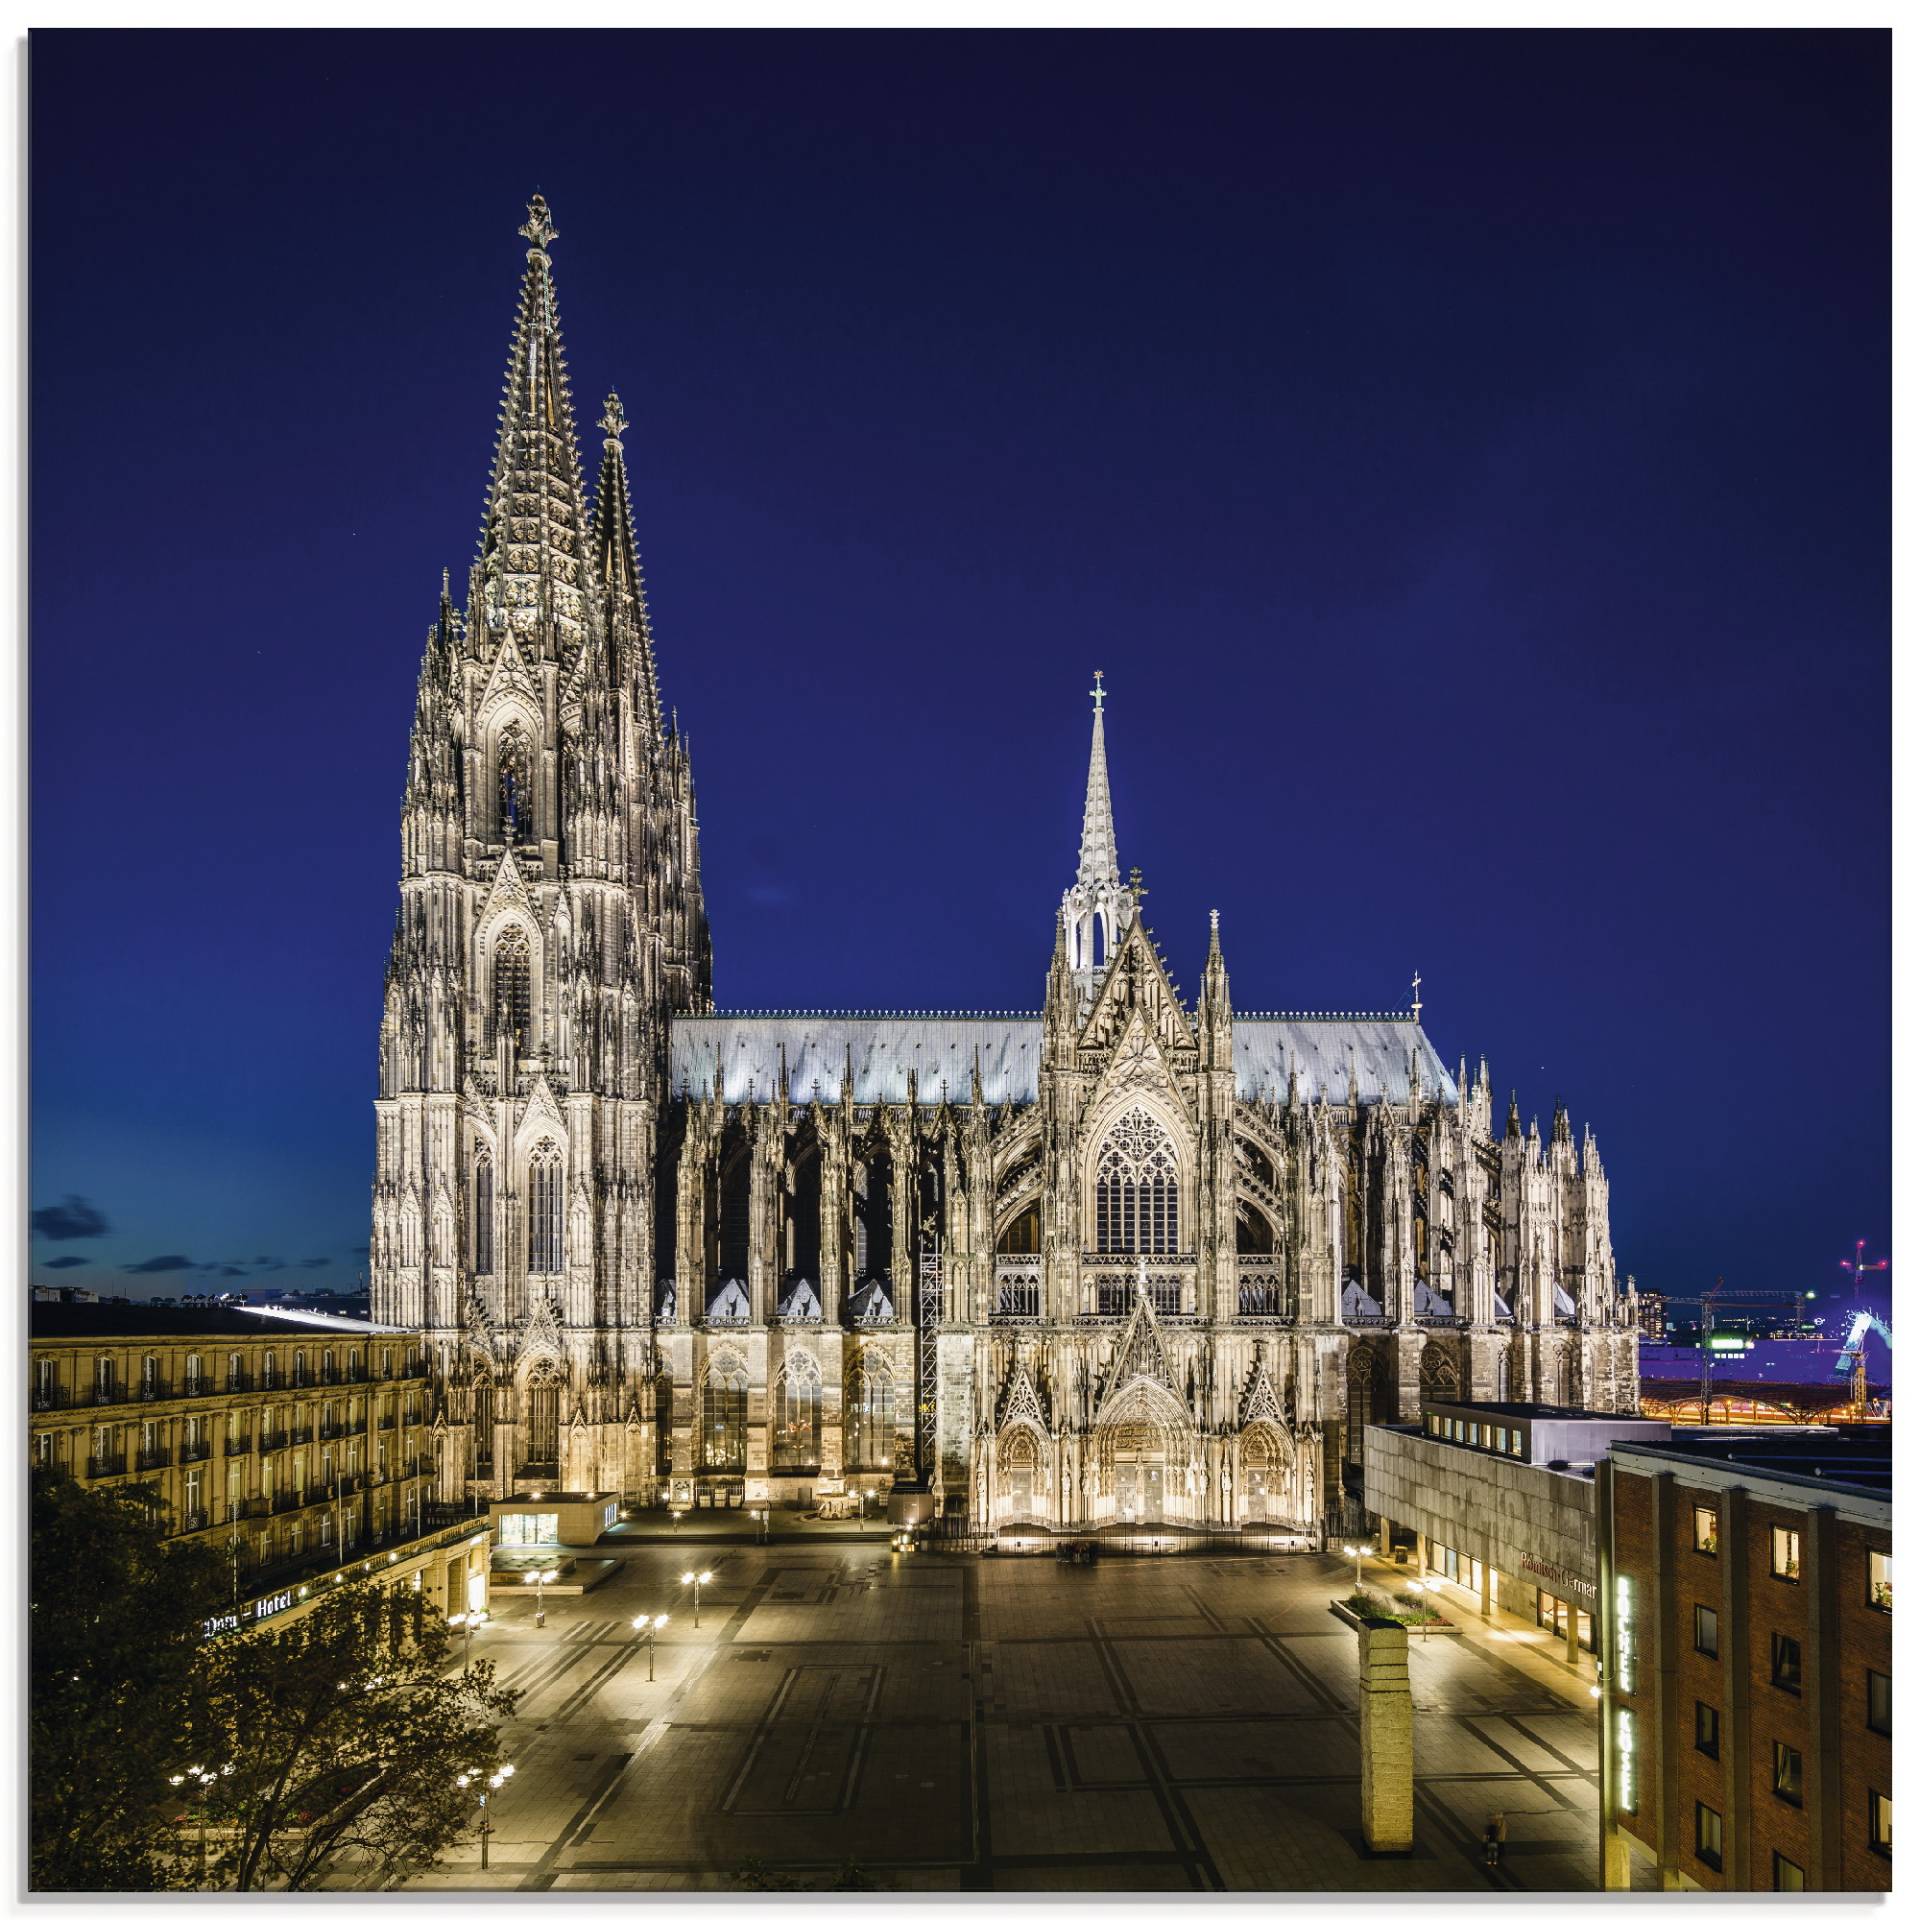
1786	1772
1880	1581
1879	1703
1706	1632
1706	1834
1706	1729
1786	1553
1706	1530
1880	1822
1787	1875
43	1449
1786	1662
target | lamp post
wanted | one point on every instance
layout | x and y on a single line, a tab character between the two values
494	1782
202	1779
696	1581
467	1621
1353	1554
1419	1588
649	1624
540	1582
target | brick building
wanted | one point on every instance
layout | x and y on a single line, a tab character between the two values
1746	1586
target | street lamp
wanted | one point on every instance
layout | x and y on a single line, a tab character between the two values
649	1624
202	1779
696	1581
494	1782
1353	1554
473	1617
540	1582
1418	1588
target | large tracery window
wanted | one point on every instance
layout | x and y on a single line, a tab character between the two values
512	987
546	1216
1137	1189
723	1419
516	786
796	1419
870	1417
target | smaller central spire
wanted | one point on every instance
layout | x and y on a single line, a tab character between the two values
1098	858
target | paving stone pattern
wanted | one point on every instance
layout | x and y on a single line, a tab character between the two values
982	1724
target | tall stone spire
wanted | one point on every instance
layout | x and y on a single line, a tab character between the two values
533	531
1098	858
1097	908
616	571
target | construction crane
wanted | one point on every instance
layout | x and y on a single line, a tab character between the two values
1707	1303
1853	1356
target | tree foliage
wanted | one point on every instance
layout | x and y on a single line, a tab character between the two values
116	1622
346	1741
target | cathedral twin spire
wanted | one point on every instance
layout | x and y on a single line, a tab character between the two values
1097	909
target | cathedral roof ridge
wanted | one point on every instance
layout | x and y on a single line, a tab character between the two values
1303	1013
864	1013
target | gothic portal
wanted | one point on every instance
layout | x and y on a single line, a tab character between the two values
1122	1260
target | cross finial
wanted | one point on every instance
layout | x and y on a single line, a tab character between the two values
614	420
1099	691
539	227
1416	996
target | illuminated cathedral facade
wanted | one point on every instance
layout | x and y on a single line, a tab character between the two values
1126	1259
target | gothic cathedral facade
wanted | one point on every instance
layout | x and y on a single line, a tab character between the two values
1124	1259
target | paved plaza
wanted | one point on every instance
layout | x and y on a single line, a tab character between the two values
962	1723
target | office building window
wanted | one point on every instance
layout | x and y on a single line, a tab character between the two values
1786	1553
1787	1876
1706	1529
1706	1728
1786	1772
1786	1662
1879	1703
1880	1822
1706	1834
1880	1581
1706	1632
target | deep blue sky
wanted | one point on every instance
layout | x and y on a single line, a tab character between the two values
1467	455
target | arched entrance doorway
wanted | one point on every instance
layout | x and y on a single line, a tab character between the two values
1265	1477
1145	1458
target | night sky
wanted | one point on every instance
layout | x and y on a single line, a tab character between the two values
1466	455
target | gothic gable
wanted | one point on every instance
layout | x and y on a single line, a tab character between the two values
1137	981
1020	1402
1259	1401
509	684
1141	1355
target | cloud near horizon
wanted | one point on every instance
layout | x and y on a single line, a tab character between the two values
163	1263
74	1218
66	1260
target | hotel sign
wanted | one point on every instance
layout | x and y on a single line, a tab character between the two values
1554	1575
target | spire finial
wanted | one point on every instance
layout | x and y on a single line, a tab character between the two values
1416	996
1099	692
1098	860
614	420
538	226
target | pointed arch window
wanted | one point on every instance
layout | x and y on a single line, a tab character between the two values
512	987
796	1419
546	1213
483	1212
515	763
870	1417
483	1424
1137	1188
543	1418
723	1418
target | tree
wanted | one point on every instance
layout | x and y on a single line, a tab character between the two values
346	1740
116	1622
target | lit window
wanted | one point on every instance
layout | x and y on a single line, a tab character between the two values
1706	1530
1786	1662
1706	1729
1706	1834
1879	1703
1880	1581
1706	1632
1786	1772
1137	1188
1787	1875
1880	1822
1786	1553
546	1249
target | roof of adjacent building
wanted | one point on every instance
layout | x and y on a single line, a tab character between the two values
940	1050
1854	1459
142	1319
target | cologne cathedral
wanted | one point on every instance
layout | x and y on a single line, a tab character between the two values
1126	1258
